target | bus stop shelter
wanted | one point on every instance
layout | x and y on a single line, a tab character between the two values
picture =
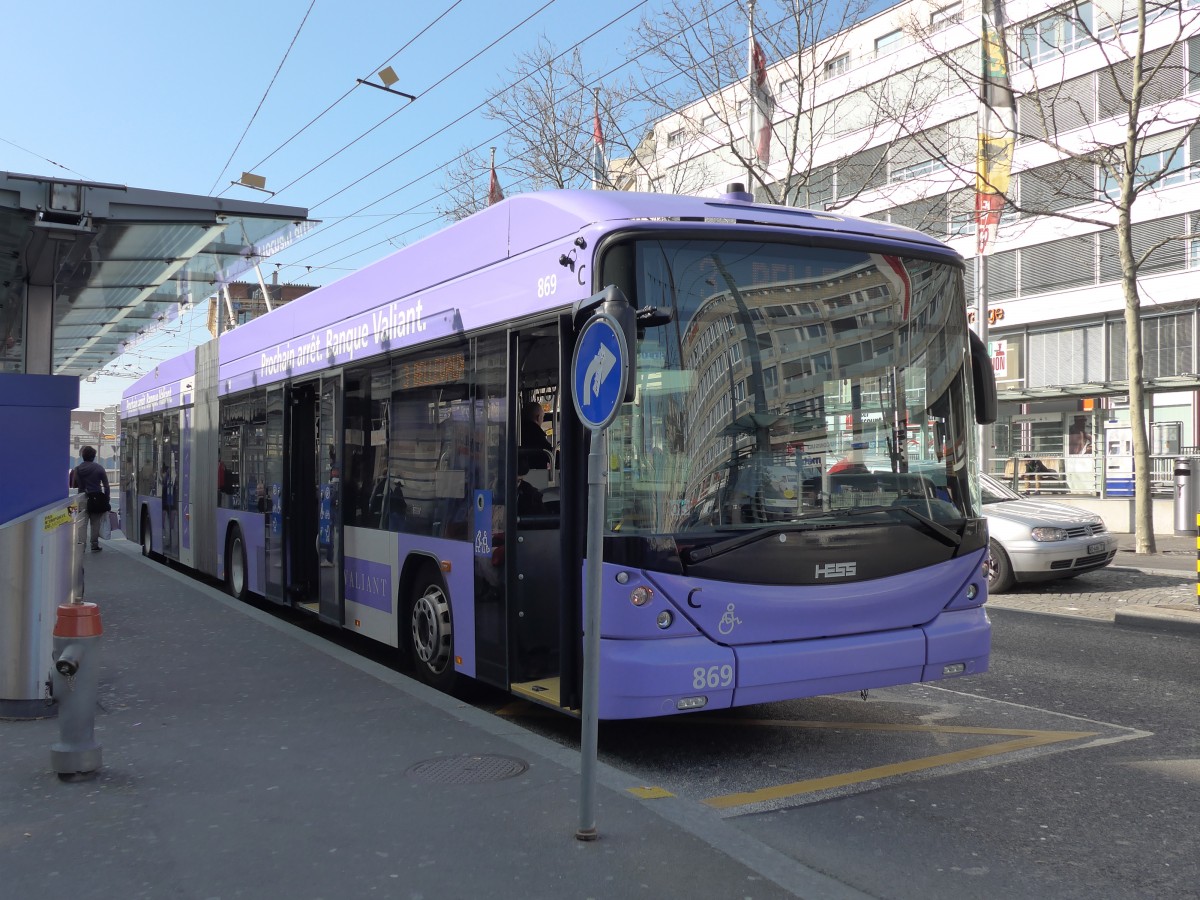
85	270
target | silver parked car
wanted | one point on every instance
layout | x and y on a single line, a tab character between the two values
1034	540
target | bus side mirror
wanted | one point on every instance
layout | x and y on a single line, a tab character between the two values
983	378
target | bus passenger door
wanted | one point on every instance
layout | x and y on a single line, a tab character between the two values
486	473
271	504
534	557
329	500
300	496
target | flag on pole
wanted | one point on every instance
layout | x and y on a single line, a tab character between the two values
993	167
495	195
762	102
599	160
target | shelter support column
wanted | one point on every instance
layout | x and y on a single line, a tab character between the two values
39	329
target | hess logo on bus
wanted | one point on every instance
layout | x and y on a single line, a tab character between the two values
837	570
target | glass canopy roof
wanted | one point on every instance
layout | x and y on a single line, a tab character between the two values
120	260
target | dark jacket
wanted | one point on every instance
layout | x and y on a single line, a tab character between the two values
89	478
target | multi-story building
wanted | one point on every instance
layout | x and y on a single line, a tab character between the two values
97	428
239	302
882	120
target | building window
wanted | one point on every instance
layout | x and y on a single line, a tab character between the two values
1109	30
839	65
1066	356
1193	46
710	122
888	42
1163	168
1166	347
945	17
918	170
743	108
675	138
1062	32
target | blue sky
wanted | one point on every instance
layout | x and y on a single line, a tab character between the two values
157	95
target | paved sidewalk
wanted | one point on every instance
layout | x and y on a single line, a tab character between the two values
246	758
1145	590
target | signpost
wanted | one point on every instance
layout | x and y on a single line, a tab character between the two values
599	379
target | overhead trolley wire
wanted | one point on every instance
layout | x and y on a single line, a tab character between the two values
418	179
44	158
423	93
353	88
576	45
257	109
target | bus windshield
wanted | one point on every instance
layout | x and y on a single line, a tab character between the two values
794	384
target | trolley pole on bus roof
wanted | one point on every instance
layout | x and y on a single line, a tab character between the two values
600	374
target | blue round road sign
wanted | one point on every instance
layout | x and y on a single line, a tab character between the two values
599	371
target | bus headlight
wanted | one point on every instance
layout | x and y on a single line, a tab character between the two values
665	619
640	596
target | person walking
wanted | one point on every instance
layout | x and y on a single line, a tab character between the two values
90	478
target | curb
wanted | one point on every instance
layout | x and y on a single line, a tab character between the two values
1174	619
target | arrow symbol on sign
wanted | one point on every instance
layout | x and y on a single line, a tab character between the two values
598	370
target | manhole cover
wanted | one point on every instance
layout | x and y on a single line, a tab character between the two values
467	769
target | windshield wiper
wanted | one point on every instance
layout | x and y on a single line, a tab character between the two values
949	535
797	523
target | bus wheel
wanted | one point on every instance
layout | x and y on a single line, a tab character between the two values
235	564
431	630
999	569
147	539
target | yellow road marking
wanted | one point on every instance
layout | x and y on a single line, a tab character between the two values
650	793
1023	739
1026	740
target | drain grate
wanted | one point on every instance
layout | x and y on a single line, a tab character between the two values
467	769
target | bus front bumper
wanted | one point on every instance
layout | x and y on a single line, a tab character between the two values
641	678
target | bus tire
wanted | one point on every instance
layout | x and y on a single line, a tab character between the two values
147	537
431	630
235	564
999	569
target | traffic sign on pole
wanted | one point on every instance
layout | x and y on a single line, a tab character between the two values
599	371
599	377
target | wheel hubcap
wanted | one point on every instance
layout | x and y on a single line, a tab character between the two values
431	629
237	572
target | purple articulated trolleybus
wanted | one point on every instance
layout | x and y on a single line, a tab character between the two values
792	501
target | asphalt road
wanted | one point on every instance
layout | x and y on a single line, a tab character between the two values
1113	820
1112	811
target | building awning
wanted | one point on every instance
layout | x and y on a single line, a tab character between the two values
121	260
1186	382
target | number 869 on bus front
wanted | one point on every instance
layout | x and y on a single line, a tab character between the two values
712	676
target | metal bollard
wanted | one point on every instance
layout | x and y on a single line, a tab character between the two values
75	684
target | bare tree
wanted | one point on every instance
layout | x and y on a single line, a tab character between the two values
546	112
465	185
1104	139
694	59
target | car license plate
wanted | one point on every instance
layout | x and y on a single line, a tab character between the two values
1096	548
